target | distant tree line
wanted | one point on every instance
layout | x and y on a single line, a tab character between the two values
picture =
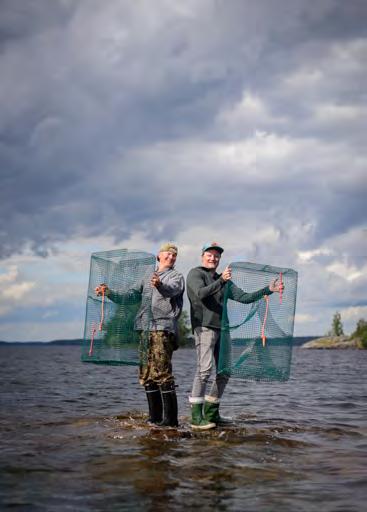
336	326
359	332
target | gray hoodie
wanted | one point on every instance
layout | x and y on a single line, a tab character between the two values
165	306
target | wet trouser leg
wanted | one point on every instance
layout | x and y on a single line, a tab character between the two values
207	352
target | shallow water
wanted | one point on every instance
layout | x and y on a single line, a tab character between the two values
74	437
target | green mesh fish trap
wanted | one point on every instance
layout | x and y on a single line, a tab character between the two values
256	338
117	321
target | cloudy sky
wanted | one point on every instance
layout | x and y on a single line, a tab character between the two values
124	124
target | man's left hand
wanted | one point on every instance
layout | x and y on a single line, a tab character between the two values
227	274
276	286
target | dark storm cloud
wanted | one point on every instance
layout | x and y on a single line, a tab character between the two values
85	84
20	19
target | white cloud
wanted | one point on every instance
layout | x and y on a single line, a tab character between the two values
302	79
17	291
303	318
49	314
326	66
250	112
354	313
13	289
350	273
10	275
331	113
307	256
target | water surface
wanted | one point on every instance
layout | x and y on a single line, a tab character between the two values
74	437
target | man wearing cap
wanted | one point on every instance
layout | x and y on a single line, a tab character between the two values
205	290
167	299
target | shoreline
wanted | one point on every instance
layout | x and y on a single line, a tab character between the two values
334	342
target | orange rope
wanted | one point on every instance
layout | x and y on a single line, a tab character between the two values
103	288
281	287
91	341
263	337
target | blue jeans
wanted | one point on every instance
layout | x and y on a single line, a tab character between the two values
207	351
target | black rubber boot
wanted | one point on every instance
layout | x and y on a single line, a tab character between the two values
169	399
155	403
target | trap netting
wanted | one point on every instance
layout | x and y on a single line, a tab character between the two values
256	338
117	319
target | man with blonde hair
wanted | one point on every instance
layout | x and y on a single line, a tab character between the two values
155	374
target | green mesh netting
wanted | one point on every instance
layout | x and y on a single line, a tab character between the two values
116	327
256	338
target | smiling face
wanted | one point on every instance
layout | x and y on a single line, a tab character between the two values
167	259
210	259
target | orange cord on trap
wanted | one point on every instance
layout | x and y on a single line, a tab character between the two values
263	337
94	330
103	290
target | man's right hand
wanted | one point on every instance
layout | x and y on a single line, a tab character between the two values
155	281
100	289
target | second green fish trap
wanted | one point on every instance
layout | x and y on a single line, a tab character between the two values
256	337
118	314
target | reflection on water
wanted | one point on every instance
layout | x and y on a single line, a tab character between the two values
75	437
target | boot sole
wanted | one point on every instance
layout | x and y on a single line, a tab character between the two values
203	427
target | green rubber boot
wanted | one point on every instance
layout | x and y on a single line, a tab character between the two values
211	412
197	420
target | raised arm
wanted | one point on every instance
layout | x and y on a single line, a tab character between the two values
196	282
132	296
171	287
237	294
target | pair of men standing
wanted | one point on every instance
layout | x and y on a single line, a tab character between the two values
205	290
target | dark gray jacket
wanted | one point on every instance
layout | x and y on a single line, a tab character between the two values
205	291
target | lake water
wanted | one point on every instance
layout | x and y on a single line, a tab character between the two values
74	437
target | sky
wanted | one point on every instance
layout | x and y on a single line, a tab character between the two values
127	124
